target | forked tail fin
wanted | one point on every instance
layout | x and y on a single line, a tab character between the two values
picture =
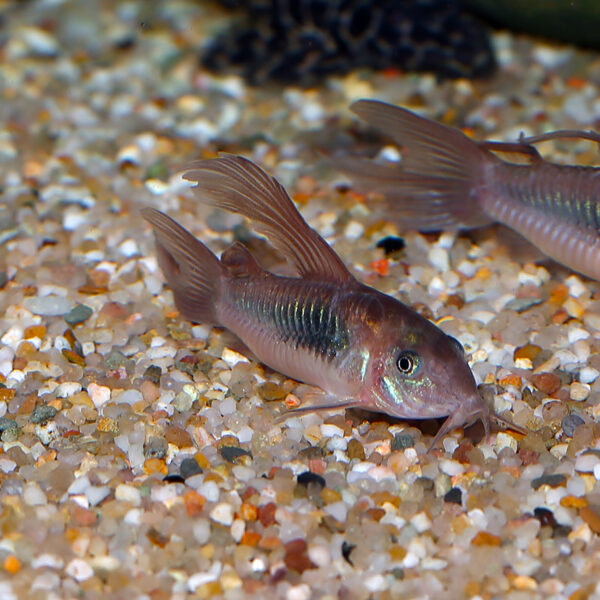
192	271
436	184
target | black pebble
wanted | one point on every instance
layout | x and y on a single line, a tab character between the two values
454	496
174	478
553	480
391	244
402	441
347	550
189	467
153	373
570	423
232	453
546	518
309	477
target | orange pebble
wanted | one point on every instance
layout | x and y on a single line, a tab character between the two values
381	266
514	380
155	465
248	511
483	538
34	331
291	401
194	503
12	564
576	83
559	294
270	542
573	502
250	538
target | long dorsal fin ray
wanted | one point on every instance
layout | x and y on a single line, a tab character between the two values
236	184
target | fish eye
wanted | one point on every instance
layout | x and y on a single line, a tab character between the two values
408	363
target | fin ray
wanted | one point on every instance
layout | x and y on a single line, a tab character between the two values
440	167
236	184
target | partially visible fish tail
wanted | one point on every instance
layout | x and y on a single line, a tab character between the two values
435	186
192	271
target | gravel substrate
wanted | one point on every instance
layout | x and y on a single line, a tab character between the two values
142	457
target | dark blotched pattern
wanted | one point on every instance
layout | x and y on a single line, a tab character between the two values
300	41
308	320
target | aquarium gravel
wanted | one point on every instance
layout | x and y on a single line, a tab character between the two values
144	457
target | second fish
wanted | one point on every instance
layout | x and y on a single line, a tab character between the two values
446	180
363	348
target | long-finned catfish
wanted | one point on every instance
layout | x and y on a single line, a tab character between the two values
362	347
445	180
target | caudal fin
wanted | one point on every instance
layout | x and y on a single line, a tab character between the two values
192	271
435	185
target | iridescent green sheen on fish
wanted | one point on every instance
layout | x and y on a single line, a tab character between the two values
323	327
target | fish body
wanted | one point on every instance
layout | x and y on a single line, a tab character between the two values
446	180
363	348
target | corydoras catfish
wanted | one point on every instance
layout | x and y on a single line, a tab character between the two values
363	348
446	180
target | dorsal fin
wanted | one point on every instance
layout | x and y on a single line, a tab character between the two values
238	185
239	262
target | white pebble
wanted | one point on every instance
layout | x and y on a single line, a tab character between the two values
33	495
577	333
245	434
201	530
198	579
68	388
319	554
232	358
79	569
376	583
353	230
467	268
238	527
133	517
12	337
421	522
439	258
328	430
433	564
51	561
46	581
96	493
338	510
209	490
299	592
99	394
505	440
586	463
579	391
7	465
451	467
227	406
128	493
588	375
222	513
129	248
48	306
74	218
576	286
129	397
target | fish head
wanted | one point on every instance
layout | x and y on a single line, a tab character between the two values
421	373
